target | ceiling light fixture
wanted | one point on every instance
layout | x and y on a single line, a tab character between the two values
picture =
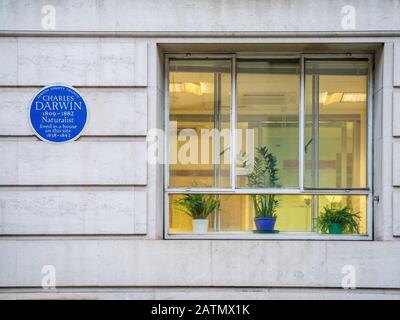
322	97
334	97
354	97
188	87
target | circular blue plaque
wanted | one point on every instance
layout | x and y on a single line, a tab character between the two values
58	114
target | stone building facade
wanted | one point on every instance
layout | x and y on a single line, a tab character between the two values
93	211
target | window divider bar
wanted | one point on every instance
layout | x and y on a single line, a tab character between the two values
233	123
266	191
370	127
370	147
301	124
165	197
166	123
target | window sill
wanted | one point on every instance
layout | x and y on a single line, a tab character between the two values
275	236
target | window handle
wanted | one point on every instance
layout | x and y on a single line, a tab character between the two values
306	146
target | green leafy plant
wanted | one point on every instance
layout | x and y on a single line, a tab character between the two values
264	175
336	212
198	206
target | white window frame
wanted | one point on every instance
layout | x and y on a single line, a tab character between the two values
279	191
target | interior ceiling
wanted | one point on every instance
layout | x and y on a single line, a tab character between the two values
189	103
279	94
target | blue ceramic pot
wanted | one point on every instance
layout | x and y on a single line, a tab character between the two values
265	224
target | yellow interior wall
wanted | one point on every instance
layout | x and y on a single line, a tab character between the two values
294	213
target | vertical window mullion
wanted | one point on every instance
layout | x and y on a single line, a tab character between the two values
301	124
217	127
370	151
233	124
166	124
315	132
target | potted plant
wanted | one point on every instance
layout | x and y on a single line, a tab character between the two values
264	175
198	207
336	219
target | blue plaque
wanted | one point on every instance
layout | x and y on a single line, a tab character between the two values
58	114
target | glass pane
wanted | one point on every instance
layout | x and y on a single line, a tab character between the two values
236	214
268	93
336	124
336	203
295	213
199	123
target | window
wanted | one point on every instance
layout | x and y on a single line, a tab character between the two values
287	133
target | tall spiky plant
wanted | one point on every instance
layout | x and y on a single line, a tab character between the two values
264	175
198	206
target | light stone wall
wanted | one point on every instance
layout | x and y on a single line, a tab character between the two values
117	112
83	62
73	211
96	262
168	293
396	139
206	15
93	208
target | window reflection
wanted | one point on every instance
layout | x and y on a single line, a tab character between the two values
199	101
268	93
336	124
